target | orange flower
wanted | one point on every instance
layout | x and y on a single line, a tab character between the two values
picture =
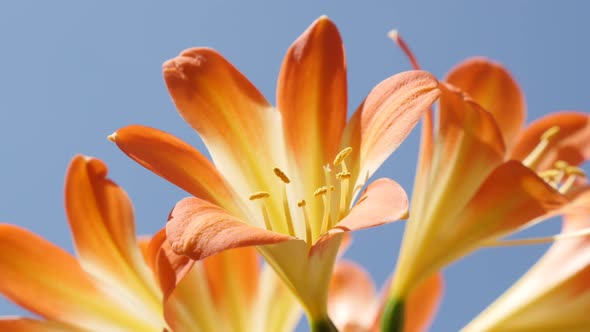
554	295
354	305
480	175
111	286
108	288
283	179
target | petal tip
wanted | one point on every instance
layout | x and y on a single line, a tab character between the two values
113	137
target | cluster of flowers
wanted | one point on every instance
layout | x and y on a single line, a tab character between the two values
285	183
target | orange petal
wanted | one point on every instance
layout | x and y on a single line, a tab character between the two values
311	96
569	144
352	298
168	267
383	201
22	324
469	146
102	224
423	303
306	271
188	305
238	126
233	277
492	86
177	162
33	275
511	198
552	295
200	229
385	118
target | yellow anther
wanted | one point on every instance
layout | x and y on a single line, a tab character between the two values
281	175
301	203
550	133
306	221
576	171
342	155
561	164
259	195
550	174
320	191
343	175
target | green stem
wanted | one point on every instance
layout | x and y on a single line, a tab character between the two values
324	325
392	319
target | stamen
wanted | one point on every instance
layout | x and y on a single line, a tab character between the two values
301	204
281	175
342	155
537	152
540	240
263	195
573	173
328	199
286	209
395	36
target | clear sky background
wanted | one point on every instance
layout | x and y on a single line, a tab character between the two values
72	72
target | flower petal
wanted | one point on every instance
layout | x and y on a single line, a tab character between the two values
237	267
385	118
383	201
423	303
311	96
468	147
199	229
352	299
492	86
239	127
511	198
177	162
23	324
569	144
102	224
276	308
552	295
306	271
32	275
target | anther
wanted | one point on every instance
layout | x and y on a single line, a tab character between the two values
342	155
301	203
550	133
343	175
561	164
259	195
281	175
320	191
573	170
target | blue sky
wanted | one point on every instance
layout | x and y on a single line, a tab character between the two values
75	71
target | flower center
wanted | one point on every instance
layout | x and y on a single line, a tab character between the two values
311	231
562	176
